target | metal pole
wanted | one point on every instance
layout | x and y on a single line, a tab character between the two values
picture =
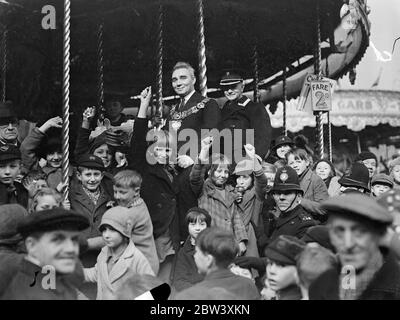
202	51
100	73
256	97
284	94
65	106
4	66
160	60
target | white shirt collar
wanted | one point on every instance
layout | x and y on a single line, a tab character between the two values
188	96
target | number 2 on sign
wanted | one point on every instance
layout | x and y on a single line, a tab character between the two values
321	99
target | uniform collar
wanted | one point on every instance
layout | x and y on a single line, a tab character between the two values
243	101
287	216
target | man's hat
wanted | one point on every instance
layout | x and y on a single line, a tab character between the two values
11	215
52	220
282	140
7	110
91	161
355	204
285	249
286	179
9	153
320	235
358	176
230	78
382	178
120	219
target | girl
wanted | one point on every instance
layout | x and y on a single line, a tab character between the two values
45	199
313	186
326	171
119	259
215	195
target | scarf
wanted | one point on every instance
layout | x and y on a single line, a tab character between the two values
93	196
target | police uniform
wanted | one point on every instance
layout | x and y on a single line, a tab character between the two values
296	221
245	114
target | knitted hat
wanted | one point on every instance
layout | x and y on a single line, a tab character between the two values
11	215
357	176
120	219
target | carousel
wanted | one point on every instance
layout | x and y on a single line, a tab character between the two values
58	57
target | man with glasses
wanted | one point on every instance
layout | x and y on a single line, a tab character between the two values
8	124
239	112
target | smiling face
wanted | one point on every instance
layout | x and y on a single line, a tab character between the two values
59	249
233	92
90	178
282	150
103	152
280	276
298	164
183	81
355	242
54	159
323	170
220	175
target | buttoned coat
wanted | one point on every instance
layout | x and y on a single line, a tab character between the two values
131	262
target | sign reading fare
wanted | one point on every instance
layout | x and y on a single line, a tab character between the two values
321	97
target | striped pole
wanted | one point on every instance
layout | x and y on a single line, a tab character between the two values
4	66
160	62
202	51
100	73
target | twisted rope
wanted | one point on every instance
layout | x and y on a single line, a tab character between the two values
160	59
202	51
65	115
256	77
100	72
318	71
284	102
4	66
329	120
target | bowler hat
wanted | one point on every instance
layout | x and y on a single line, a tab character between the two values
357	176
9	153
282	140
285	249
286	179
7	110
382	178
120	219
230	78
51	220
91	161
11	215
356	204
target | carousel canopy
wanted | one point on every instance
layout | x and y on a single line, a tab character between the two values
282	31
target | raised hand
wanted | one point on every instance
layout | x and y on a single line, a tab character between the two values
89	113
55	122
206	143
145	95
185	161
250	150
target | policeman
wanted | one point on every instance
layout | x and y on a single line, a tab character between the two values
47	271
239	112
292	218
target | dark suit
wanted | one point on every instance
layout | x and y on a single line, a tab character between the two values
245	114
19	195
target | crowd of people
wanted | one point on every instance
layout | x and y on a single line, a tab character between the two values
205	201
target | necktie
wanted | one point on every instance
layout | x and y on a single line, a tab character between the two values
181	104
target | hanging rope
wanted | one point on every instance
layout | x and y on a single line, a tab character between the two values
202	51
160	60
256	78
318	71
4	66
65	106
284	94
100	73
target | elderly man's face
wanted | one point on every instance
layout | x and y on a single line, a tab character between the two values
234	92
183	82
355	242
8	129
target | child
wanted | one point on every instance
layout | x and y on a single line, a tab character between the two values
33	182
216	196
381	183
11	191
313	186
119	259
45	199
251	186
281	267
50	151
394	171
326	171
311	263
127	185
283	144
185	273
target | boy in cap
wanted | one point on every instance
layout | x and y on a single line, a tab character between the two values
356	179
11	191
381	183
240	113
281	275
8	124
119	259
357	224
51	240
215	251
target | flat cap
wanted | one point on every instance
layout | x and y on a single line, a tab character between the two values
91	161
285	249
9	152
11	215
51	220
356	204
382	178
